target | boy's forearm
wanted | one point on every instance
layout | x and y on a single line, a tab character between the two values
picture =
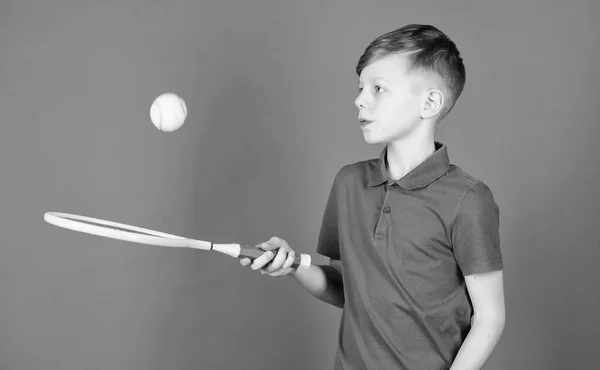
323	282
479	344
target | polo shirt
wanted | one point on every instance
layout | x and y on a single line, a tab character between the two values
405	247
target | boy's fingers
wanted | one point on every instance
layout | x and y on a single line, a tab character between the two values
267	246
280	272
262	260
277	261
289	260
278	242
280	260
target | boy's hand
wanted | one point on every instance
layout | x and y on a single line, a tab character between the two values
276	260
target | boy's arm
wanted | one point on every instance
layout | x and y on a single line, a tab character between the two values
323	281
487	295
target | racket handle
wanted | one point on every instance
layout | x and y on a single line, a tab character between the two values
301	260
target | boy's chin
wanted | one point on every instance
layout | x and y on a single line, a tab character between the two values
373	140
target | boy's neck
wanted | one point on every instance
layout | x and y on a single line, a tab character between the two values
404	156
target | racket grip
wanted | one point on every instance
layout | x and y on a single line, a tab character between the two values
301	261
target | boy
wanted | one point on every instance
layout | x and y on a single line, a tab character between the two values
413	241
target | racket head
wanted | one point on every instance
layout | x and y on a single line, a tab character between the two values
120	231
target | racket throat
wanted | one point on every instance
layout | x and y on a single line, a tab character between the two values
232	250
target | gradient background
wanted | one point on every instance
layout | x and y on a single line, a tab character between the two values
270	87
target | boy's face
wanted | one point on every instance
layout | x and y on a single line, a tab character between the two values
389	100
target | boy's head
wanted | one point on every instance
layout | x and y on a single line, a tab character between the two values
405	76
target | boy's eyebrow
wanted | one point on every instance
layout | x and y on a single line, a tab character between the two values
379	79
374	78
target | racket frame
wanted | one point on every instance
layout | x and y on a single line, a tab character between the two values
136	234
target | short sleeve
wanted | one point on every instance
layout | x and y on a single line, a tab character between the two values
475	233
328	243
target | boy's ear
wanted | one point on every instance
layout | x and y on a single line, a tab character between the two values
432	103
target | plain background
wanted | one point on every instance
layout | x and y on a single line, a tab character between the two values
270	87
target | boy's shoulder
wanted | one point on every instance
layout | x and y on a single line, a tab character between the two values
359	167
455	177
463	178
471	194
356	172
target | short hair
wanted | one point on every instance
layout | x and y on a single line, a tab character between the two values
428	49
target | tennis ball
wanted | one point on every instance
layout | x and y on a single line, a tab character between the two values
168	112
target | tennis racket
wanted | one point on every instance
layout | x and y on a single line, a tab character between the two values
134	234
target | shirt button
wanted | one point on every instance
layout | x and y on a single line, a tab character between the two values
392	186
386	209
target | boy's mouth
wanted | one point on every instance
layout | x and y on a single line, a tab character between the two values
364	121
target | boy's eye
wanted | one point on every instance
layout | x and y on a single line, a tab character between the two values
378	89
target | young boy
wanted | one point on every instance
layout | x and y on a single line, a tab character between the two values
413	242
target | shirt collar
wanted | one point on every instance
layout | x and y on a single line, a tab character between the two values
432	168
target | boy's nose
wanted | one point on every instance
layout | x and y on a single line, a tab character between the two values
359	102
